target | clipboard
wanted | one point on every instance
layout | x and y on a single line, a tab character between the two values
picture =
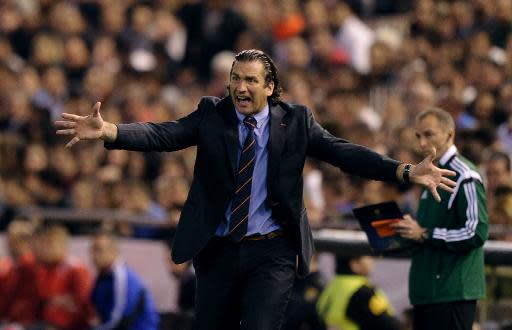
376	220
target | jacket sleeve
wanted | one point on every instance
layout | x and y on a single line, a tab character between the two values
349	157
472	226
165	136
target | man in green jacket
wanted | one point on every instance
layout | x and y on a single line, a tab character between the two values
447	270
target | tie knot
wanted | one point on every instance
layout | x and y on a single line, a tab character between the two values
250	122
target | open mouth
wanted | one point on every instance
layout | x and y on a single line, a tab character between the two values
243	100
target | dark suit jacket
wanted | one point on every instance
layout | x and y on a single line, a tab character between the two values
213	128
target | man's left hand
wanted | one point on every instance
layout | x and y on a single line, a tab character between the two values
431	176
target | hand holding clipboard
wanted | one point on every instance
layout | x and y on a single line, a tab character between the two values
378	221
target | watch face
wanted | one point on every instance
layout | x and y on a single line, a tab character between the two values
407	170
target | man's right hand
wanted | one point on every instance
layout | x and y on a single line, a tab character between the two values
409	228
91	127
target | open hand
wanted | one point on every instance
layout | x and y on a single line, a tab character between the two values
89	127
427	174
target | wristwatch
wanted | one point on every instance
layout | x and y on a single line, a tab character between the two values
407	171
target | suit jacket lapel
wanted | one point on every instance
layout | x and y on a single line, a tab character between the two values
227	111
276	141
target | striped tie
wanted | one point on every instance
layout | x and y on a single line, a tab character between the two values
241	200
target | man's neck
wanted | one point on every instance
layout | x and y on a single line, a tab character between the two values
446	155
110	267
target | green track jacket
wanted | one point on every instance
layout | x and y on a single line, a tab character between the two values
449	264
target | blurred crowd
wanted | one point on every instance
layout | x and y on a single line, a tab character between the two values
365	68
44	287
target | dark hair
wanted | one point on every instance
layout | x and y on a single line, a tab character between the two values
110	235
502	190
343	265
250	55
500	155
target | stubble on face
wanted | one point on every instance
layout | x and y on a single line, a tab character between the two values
247	86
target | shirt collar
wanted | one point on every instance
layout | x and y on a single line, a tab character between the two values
112	268
447	155
260	116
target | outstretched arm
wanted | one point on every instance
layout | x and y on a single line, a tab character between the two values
165	136
364	162
91	127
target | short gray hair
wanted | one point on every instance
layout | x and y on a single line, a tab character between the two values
443	116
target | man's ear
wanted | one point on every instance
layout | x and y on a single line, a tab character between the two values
354	265
451	134
270	88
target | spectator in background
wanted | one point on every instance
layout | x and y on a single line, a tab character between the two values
172	203
447	270
185	275
63	282
120	298
138	200
497	171
220	68
354	36
52	94
18	302
351	301
498	176
500	214
212	26
313	198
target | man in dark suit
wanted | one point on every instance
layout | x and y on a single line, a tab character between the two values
244	224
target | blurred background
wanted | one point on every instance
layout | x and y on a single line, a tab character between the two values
364	67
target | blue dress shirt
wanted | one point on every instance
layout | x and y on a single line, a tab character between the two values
260	214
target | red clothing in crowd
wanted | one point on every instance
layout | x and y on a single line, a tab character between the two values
18	292
64	290
5	268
